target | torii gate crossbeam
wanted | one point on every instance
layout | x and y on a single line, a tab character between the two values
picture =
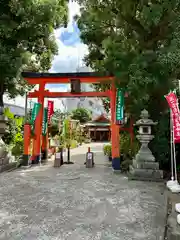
48	94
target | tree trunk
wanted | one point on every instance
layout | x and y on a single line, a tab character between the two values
1	94
1	97
61	154
68	154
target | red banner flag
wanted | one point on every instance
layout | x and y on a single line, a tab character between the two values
175	115
176	128
50	110
173	103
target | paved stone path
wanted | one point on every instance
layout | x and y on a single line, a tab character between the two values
75	203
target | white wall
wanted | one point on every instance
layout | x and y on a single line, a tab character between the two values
93	104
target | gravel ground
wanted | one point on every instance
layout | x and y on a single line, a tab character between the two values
75	203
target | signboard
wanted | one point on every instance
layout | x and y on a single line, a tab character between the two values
44	123
34	113
89	159
90	156
58	155
50	110
119	106
75	85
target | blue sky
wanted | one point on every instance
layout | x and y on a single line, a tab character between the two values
71	50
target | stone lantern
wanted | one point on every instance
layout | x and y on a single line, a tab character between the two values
144	166
4	154
2	123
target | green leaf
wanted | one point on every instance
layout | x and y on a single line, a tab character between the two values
137	42
27	40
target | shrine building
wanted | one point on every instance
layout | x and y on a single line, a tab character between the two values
99	129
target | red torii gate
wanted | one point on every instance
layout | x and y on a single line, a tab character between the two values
42	79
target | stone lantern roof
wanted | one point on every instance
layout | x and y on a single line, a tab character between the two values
145	121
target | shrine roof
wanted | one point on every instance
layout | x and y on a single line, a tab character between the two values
101	118
63	75
99	121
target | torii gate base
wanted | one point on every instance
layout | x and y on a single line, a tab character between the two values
49	78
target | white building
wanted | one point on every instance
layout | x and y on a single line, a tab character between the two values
95	105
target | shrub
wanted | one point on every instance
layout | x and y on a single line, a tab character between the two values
160	146
14	133
126	148
125	165
54	130
107	150
81	114
17	149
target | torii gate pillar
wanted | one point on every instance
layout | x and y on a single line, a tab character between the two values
38	126
115	131
45	146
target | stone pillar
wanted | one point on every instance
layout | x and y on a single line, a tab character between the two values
45	147
144	166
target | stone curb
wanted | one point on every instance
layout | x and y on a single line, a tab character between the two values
117	171
172	228
8	167
25	167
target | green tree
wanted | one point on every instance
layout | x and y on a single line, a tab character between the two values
14	133
53	129
81	114
139	43
60	115
66	132
27	41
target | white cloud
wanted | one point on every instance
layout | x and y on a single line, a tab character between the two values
74	9
58	104
69	58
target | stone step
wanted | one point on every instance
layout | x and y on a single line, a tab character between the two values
7	167
145	174
146	165
173	228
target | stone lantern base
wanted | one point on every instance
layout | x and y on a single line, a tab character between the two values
7	161
140	174
145	169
